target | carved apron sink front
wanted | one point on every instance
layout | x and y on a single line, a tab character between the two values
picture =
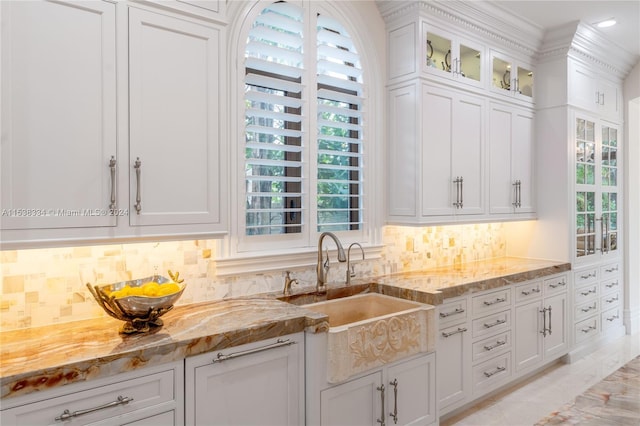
370	330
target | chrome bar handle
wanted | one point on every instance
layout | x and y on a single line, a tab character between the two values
138	205
461	192
457	202
588	329
615	268
613	299
112	169
549	320
496	345
517	194
459	330
598	97
588	292
493	324
66	414
533	290
602	95
381	419
493	302
589	308
279	343
496	371
455	312
560	284
544	322
612	284
613	318
589	275
394	415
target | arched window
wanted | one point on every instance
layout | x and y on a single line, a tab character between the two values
299	179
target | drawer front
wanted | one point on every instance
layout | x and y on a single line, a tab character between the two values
610	285
452	312
585	310
585	276
556	285
97	404
610	270
528	291
491	324
587	328
586	293
494	345
491	302
610	300
611	318
491	373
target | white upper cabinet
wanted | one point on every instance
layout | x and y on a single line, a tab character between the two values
511	153
59	153
174	77
450	56
511	77
211	9
592	92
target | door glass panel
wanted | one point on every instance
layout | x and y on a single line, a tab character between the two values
438	52
609	156
525	81
585	152
501	74
585	223
470	60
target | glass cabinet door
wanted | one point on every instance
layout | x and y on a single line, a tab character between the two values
609	183
585	184
501	74
439	52
510	76
524	82
469	63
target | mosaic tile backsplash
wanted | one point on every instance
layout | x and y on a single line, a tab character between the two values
45	286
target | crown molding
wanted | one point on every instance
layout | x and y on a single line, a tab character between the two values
585	42
478	17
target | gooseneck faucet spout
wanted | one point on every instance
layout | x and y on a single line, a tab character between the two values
323	266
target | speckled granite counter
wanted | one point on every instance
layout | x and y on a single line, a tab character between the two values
45	357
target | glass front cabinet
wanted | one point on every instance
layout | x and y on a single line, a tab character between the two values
511	77
450	56
597	202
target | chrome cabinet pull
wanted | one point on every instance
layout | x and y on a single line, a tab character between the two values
589	308
613	299
381	419
496	371
533	290
279	343
394	415
597	97
66	414
560	284
493	324
588	292
138	205
615	268
112	169
588	329
549	320
611	285
456	312
461	192
493	302
496	345
458	182
613	318
451	333
517	194
589	275
544	322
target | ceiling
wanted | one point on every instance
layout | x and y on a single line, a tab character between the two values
548	14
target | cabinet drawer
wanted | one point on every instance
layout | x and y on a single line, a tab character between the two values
585	310
611	317
585	276
609	300
490	324
587	328
586	293
486	348
528	291
555	285
490	302
112	401
452	312
608	271
491	373
610	285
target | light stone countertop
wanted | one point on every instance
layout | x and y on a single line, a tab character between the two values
45	357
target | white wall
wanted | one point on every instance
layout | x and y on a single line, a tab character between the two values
632	197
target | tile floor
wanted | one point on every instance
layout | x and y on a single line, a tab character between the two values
535	398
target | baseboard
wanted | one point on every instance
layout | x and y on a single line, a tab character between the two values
631	319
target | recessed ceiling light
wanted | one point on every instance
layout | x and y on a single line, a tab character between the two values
606	23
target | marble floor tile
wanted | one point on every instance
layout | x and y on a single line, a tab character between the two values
555	389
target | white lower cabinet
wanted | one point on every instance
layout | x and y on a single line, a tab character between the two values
150	396
259	383
401	393
453	359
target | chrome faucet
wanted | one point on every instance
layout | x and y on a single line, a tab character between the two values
323	265
350	272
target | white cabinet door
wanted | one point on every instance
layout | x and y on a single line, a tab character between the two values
557	341
453	358
527	336
452	152
593	93
58	114
354	403
258	384
175	73
511	158
411	392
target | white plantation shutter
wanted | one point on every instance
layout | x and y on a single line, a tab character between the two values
273	116
275	140
339	137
